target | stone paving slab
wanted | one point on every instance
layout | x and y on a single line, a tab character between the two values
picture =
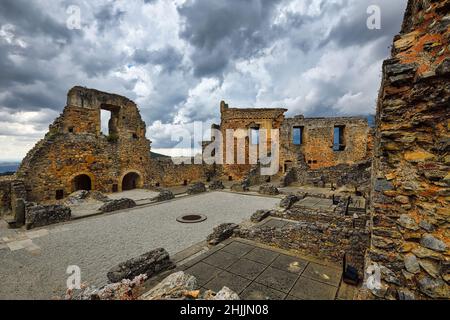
274	223
256	291
230	280
323	274
308	289
258	272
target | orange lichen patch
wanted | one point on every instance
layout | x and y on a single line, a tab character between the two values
90	159
430	191
409	56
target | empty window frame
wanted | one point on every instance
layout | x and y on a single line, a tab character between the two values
297	136
59	194
338	139
254	136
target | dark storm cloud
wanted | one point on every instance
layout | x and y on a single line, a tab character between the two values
168	58
32	20
221	31
352	28
209	50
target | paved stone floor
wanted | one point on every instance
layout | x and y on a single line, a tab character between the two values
316	203
33	264
258	272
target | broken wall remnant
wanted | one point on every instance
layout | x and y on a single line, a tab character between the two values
167	173
323	142
410	184
76	155
40	216
307	143
242	121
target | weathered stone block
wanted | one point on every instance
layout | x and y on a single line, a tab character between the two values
119	204
221	233
150	264
260	215
196	188
216	185
289	201
39	216
269	190
164	195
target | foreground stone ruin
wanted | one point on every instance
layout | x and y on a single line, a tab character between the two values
410	180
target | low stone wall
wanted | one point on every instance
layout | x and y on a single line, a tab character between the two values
329	241
119	204
357	175
39	216
324	234
171	174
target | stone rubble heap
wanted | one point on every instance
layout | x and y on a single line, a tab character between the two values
196	188
221	233
116	205
150	264
182	286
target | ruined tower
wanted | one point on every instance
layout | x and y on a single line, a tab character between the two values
410	198
76	155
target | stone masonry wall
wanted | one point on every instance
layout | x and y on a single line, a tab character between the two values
317	142
75	146
241	120
168	174
316	149
410	199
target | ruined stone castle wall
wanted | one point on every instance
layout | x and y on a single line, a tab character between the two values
410	198
316	149
318	142
241	120
75	146
168	174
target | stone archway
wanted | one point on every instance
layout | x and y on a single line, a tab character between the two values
131	181
82	182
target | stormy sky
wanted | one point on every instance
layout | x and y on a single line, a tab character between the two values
177	59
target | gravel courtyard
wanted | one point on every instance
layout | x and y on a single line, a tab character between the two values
33	264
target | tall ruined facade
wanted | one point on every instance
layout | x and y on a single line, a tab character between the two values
304	143
410	183
76	155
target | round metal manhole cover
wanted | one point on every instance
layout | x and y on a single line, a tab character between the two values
192	218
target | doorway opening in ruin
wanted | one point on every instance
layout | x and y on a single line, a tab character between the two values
59	194
82	182
109	119
131	181
287	165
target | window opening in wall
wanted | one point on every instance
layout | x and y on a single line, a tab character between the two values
59	194
298	136
105	119
339	142
71	129
254	136
115	188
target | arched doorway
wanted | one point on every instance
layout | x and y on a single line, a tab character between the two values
131	181
82	182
